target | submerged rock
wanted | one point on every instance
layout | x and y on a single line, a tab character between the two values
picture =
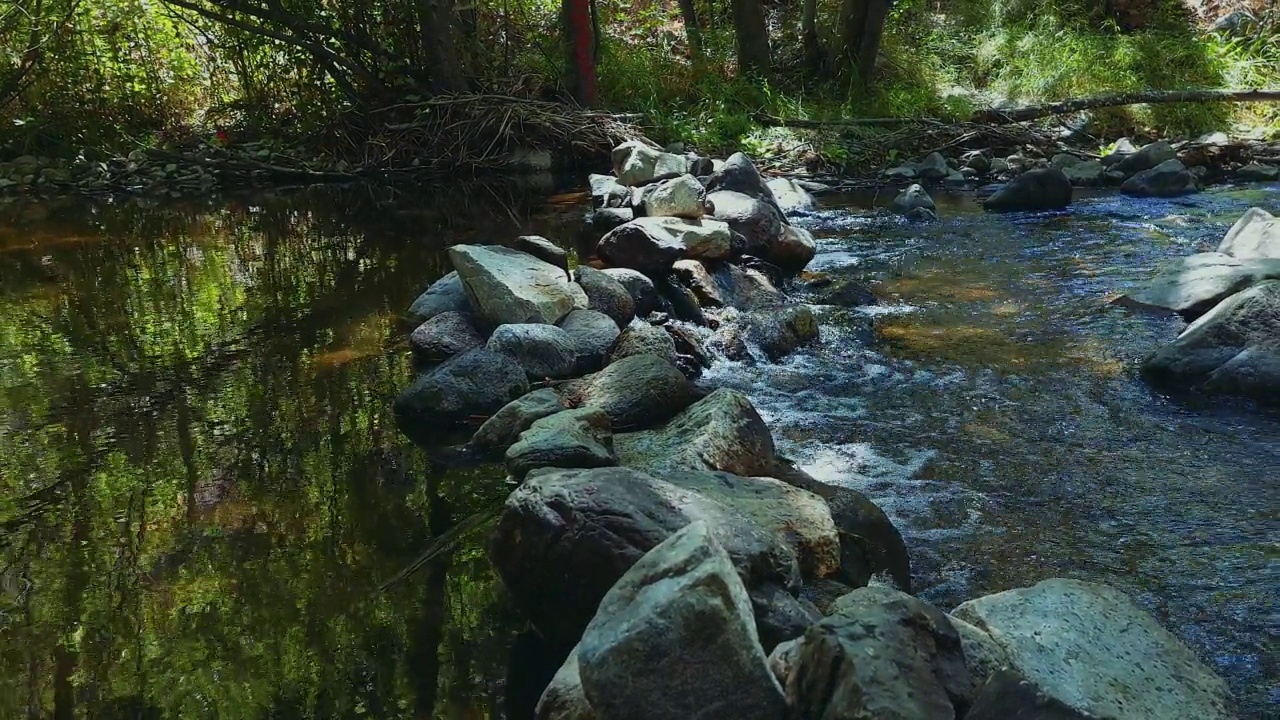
606	295
1168	179
1192	285
444	295
651	245
1255	235
475	383
1042	189
503	429
1091	648
443	336
910	199
675	638
508	286
782	330
637	392
544	351
579	438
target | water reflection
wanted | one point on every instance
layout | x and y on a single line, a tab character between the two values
201	483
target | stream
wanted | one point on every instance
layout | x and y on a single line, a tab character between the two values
202	485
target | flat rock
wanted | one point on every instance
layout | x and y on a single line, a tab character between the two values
675	638
505	426
606	295
637	392
443	336
580	438
477	382
1192	285
508	286
592	334
544	351
1091	648
652	244
444	295
543	249
1257	172
1255	235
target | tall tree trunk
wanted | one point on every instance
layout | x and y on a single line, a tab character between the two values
439	41
861	26
692	30
579	33
753	37
813	60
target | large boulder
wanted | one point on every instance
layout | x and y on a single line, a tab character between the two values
1192	285
1255	235
565	537
652	244
508	286
444	336
564	698
579	438
544	250
544	351
476	383
1233	348
505	426
641	338
755	219
682	197
793	249
727	285
913	197
790	196
644	296
637	392
1256	172
606	295
1040	189
740	175
934	167
675	638
635	163
1085	174
607	192
1093	649
592	333
1168	179
781	330
1009	696
722	431
1148	157
882	654
444	295
982	655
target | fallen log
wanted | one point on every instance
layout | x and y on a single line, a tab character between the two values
1003	116
774	121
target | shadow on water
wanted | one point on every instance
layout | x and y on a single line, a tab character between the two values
202	485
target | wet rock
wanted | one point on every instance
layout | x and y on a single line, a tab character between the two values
1093	649
477	382
1043	189
637	392
543	249
921	215
681	197
1009	696
544	351
1168	179
651	245
592	334
644	296
934	167
443	336
755	219
1085	174
790	196
883	654
650	653
1192	285
641	338
1257	172
999	166
581	438
564	698
444	295
1232	348
503	429
688	345
508	286
1150	156
680	300
722	431
636	163
565	537
910	199
1255	235
793	250
607	192
606	295
847	294
781	331
727	285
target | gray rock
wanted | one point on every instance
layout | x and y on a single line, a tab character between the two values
1009	696
651	245
793	249
477	382
544	351
782	660
580	438
606	295
790	196
444	295
901	172
1192	285
1093	649
1168	179
740	175
1150	156
1232	348
955	180
637	392
921	215
1085	174
443	336
755	219
636	163
543	249
641	338
508	286
911	198
934	167
1255	235
592	334
982	655
977	161
607	192
885	655
597	223
564	698
1257	172
503	429
781	331
999	166
1062	161
1043	189
675	639
644	296
727	285
1113	177
681	197
565	537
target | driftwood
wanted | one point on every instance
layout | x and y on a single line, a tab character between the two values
1146	97
774	121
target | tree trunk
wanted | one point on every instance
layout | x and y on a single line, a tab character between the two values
752	36
862	25
692	30
579	33
813	59
439	41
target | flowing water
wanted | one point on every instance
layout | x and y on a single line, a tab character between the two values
202	486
